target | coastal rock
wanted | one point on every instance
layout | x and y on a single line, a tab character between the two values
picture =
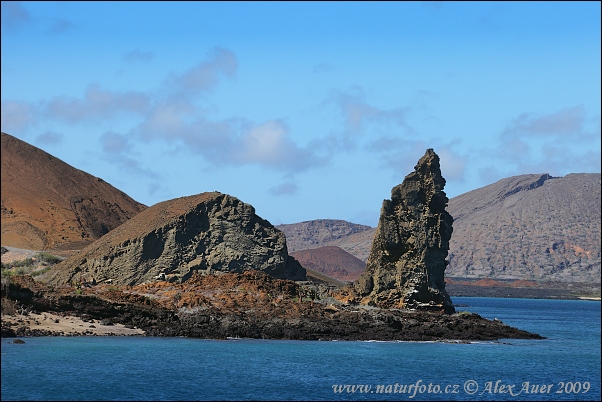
406	265
208	232
251	304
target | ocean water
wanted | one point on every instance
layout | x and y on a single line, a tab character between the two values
566	366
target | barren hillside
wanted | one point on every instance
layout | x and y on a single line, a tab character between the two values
528	227
48	204
533	227
332	261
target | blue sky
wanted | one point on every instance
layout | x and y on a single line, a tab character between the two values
306	110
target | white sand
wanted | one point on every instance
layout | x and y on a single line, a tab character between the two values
67	324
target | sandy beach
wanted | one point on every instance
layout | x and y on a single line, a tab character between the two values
66	326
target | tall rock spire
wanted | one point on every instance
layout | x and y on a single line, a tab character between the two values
406	265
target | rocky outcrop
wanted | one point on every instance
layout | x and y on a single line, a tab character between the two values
50	205
406	265
247	305
209	232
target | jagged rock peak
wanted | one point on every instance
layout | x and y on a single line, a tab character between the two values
208	232
406	265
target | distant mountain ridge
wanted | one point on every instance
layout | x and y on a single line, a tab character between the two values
48	204
534	226
529	227
332	261
318	232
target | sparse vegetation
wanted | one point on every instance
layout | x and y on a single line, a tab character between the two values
41	263
48	258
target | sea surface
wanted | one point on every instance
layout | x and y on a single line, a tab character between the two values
565	366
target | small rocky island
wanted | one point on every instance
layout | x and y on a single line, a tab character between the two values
206	266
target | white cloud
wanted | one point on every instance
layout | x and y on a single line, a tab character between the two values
269	144
174	114
17	116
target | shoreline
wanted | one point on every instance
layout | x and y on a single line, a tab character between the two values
50	324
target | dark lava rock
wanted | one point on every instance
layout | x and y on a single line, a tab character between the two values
407	260
209	232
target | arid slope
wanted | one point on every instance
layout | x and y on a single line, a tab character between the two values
48	204
532	227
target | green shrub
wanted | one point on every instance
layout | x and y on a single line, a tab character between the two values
6	272
43	256
28	262
41	271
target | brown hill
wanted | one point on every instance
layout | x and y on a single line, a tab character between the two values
48	204
208	232
529	227
332	261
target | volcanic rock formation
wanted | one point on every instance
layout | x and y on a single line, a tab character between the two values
406	265
48	204
208	232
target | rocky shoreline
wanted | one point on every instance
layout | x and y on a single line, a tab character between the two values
248	305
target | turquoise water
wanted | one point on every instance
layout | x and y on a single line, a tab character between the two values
140	368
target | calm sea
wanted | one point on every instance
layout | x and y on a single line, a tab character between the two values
566	366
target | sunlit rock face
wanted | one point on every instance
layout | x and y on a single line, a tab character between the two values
208	233
407	261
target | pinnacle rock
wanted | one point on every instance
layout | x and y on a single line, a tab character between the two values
407	261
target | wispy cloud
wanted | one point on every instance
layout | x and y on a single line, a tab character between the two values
60	26
97	103
269	144
17	116
114	143
119	149
205	76
138	56
50	138
14	16
286	188
357	112
558	143
453	164
561	124
322	68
